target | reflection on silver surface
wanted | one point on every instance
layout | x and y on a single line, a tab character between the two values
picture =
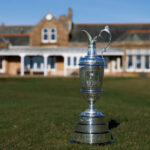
92	138
92	120
92	128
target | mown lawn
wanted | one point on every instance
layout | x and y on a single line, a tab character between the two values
39	113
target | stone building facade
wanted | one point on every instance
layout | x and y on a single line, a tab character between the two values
54	46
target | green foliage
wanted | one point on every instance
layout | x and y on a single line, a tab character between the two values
39	113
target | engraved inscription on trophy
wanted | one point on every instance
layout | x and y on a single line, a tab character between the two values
90	81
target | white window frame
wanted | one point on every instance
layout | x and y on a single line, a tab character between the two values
138	69
119	62
43	33
2	70
127	62
131	52
75	62
41	63
72	66
49	33
67	61
55	33
35	68
49	65
108	68
134	53
72	62
114	63
145	69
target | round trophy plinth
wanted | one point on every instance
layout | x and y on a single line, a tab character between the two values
92	130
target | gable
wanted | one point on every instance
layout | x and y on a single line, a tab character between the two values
49	22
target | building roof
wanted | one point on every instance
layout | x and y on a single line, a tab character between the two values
17	40
19	50
2	40
19	35
117	30
15	29
135	35
15	35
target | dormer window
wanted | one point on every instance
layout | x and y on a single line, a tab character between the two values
49	35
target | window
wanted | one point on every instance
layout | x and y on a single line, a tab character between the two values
26	61
106	61
114	64
130	62
1	63
147	63
74	61
45	35
121	62
39	60
49	35
138	61
68	61
53	35
31	62
52	62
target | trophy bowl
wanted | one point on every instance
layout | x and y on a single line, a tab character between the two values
91	77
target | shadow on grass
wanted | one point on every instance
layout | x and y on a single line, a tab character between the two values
113	124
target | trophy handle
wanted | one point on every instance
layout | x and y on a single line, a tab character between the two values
93	41
88	36
107	30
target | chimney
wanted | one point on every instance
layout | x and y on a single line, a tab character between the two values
69	14
70	19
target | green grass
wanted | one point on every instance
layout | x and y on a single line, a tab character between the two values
39	113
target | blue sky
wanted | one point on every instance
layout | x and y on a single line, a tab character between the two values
29	12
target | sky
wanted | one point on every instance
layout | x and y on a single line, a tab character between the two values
30	12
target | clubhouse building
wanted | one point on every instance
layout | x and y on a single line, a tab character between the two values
53	47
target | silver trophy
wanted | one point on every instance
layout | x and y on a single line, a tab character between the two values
92	127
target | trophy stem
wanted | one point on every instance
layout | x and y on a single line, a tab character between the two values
91	106
91	109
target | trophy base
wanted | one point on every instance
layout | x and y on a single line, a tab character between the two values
109	142
92	130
